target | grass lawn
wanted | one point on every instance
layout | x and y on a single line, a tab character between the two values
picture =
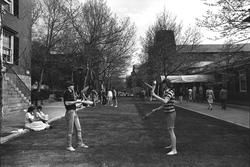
118	137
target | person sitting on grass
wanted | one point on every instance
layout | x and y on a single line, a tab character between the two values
32	123
41	116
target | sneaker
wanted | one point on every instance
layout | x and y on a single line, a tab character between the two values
172	153
116	106
70	148
83	145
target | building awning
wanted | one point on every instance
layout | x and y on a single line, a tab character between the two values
189	78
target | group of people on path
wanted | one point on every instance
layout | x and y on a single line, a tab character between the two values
109	98
194	94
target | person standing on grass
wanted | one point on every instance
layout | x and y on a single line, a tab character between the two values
223	97
114	97
72	119
110	97
169	110
210	98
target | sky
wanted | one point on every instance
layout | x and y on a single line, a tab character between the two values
144	12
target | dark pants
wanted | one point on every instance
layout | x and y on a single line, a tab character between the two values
223	103
73	122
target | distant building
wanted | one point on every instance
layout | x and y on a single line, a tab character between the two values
230	66
16	54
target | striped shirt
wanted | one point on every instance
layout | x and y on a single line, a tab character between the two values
169	106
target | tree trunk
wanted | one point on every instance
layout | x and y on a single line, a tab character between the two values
86	77
41	80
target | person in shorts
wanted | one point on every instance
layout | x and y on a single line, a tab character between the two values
168	108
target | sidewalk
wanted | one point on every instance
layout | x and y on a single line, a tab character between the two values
13	124
235	114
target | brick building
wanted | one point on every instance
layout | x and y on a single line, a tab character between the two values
16	54
230	66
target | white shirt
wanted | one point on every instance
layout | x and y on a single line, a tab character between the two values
110	94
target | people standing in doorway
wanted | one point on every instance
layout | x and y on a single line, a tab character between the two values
223	97
72	119
210	97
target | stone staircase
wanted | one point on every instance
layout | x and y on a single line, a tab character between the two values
13	99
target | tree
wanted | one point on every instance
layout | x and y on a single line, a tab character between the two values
105	42
225	17
36	11
163	41
49	30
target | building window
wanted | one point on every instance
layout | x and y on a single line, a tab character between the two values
8	47
9	7
243	81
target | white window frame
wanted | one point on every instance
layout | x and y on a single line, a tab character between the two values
242	74
11	4
10	61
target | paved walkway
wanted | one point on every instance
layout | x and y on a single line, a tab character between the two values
13	124
236	114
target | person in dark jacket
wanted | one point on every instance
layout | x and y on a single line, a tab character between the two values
223	97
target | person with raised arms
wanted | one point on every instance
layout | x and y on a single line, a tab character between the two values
169	109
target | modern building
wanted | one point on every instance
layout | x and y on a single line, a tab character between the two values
15	50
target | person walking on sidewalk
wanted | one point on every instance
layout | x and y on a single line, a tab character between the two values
223	97
190	95
210	98
169	110
72	119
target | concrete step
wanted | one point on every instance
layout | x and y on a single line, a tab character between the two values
14	109
13	101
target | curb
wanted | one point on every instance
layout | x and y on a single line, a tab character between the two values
17	134
211	116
